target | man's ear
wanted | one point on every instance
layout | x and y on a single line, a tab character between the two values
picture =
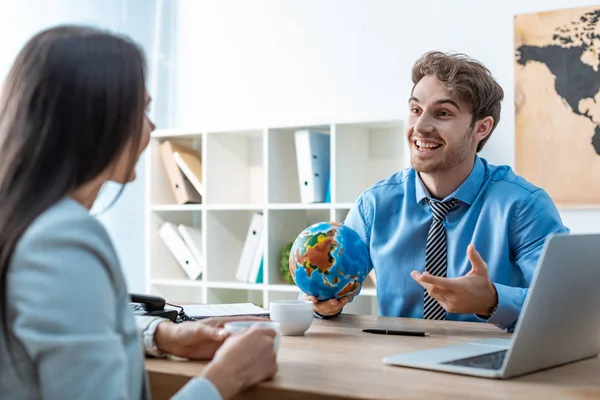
483	128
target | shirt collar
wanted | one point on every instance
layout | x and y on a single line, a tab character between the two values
466	192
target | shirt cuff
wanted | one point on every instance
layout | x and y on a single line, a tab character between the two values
321	316
198	388
510	302
147	327
316	314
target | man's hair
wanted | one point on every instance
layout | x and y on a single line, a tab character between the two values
470	80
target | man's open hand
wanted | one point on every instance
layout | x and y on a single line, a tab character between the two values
473	293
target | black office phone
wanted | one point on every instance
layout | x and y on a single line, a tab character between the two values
143	304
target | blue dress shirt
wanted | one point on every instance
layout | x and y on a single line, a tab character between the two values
506	217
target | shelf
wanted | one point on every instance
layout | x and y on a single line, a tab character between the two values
284	288
160	189
164	265
235	172
255	170
234	207
250	207
225	240
284	186
177	282
210	207
368	291
199	283
174	133
281	295
364	154
340	215
300	206
176	207
235	285
361	305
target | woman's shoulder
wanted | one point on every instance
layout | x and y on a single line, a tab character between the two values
66	225
66	245
66	218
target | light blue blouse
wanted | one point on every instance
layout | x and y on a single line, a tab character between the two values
72	332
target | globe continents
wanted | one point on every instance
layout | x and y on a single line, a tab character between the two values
329	260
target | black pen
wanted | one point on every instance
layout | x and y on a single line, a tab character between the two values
395	332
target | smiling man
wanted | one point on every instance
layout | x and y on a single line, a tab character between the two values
453	237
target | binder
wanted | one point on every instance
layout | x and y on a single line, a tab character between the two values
313	161
169	233
191	166
259	275
183	189
255	275
256	269
192	237
252	250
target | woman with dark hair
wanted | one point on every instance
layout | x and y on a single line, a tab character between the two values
72	118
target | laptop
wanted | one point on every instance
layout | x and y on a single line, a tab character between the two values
559	322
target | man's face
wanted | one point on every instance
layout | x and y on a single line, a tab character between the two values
439	130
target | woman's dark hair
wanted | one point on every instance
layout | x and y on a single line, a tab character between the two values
71	104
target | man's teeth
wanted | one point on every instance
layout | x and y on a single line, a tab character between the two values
427	145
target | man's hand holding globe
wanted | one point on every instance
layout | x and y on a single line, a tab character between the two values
329	263
328	307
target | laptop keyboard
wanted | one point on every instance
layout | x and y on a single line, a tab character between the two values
488	361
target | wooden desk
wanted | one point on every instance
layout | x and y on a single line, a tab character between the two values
335	360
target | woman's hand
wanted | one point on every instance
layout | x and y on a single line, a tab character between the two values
193	340
244	360
197	340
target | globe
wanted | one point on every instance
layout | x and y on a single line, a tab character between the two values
329	260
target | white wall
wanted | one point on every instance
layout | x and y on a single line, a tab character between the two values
272	62
19	20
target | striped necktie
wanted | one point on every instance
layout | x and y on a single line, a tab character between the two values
435	254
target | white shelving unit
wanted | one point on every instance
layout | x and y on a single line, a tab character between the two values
255	170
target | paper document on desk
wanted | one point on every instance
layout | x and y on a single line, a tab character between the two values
224	310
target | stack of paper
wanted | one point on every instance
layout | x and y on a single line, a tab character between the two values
224	310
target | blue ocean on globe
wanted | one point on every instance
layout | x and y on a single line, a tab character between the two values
329	260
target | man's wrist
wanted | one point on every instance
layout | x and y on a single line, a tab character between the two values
492	306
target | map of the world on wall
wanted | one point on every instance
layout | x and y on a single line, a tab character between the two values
557	103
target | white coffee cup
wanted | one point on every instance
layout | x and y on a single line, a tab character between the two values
235	327
294	316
